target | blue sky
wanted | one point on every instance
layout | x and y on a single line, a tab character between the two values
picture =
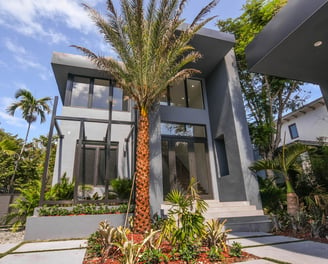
30	30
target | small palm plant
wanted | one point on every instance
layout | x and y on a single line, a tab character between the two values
283	163
185	224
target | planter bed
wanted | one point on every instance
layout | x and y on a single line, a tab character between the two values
67	227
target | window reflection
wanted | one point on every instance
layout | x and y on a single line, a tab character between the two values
100	94
186	130
80	92
195	96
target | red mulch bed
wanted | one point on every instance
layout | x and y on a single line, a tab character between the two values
166	248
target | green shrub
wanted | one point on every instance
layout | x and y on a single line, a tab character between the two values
235	249
122	187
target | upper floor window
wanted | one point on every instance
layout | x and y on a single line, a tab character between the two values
187	93
94	93
293	131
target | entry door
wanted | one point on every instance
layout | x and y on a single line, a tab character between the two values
182	159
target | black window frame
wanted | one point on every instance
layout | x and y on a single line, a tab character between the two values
186	97
292	130
69	88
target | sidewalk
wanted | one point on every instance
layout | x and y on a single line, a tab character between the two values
280	248
266	246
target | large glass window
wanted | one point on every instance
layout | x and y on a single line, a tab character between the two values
100	94
186	93
94	93
80	92
185	155
187	130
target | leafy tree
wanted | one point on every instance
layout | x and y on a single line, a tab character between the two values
266	97
284	163
151	56
31	108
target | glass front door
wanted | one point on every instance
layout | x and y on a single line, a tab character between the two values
184	158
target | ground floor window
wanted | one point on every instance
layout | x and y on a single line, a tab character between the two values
184	155
92	165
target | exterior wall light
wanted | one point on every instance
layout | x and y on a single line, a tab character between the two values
317	43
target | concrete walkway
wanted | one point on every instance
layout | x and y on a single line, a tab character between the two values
266	246
280	248
63	252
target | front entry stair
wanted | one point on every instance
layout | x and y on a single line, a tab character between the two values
241	216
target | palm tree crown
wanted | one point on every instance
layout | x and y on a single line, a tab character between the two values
152	45
31	108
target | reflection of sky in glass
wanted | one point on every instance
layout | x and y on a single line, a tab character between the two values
100	97
182	130
117	99
80	93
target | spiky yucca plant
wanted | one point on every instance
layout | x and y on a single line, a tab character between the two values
151	56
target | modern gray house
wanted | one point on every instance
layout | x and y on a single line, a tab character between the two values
198	129
294	44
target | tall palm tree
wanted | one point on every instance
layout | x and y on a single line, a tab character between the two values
283	163
31	108
151	56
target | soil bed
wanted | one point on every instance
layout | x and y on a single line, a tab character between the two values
305	236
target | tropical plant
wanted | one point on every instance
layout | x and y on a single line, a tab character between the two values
31	108
273	197
151	56
24	205
131	251
153	256
283	163
122	187
63	190
185	217
216	234
235	249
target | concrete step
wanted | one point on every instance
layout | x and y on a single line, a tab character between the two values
240	215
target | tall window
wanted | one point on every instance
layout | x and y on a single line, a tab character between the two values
92	165
94	93
187	93
293	131
222	156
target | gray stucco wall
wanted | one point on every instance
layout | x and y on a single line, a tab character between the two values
228	119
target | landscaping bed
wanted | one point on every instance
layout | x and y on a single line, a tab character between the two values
166	256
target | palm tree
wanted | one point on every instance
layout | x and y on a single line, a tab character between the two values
31	108
283	163
151	56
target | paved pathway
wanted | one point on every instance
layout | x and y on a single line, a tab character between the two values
270	248
281	248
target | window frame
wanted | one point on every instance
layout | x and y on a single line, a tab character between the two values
111	82
291	131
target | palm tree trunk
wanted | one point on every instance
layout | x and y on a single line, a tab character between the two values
292	200
11	184
142	222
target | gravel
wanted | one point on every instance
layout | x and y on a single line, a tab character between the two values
8	237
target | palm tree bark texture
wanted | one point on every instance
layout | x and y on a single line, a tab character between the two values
142	209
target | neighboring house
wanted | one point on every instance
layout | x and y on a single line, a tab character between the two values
198	129
307	125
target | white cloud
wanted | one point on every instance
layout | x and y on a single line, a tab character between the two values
28	17
13	47
12	120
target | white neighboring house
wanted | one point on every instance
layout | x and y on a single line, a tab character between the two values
307	125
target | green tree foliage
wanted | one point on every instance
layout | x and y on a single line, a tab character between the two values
284	163
151	56
266	97
30	108
32	160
